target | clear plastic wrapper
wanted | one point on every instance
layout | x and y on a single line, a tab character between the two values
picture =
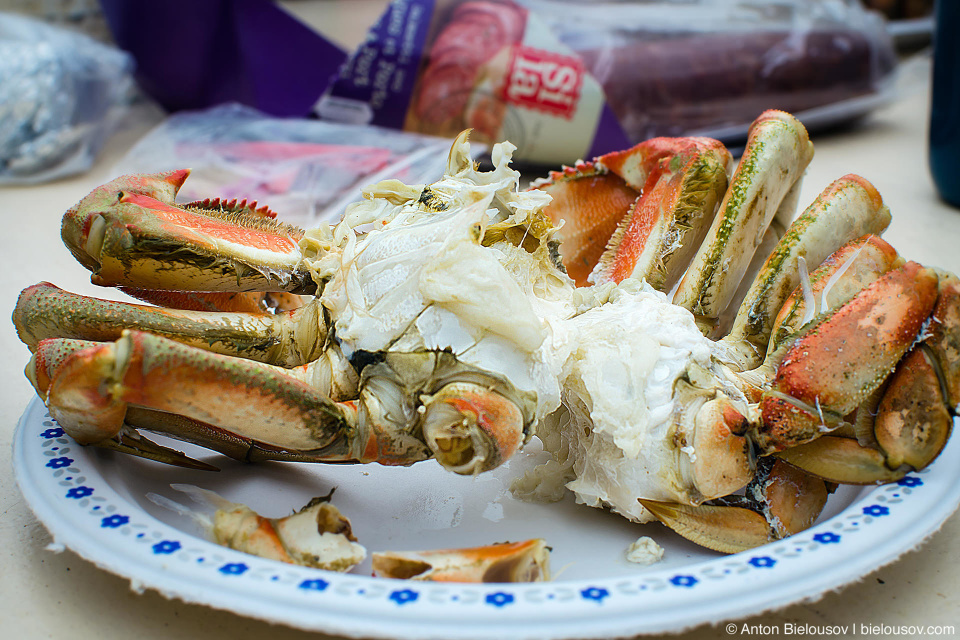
61	95
681	67
565	79
305	170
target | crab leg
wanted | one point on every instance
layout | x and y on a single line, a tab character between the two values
591	202
248	302
657	238
847	209
239	406
780	502
838	363
130	233
640	212
835	282
777	152
914	416
289	339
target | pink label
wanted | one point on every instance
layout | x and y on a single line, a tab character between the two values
544	80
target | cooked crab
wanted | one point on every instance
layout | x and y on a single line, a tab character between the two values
443	324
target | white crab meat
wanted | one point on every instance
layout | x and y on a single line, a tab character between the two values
422	279
602	364
644	550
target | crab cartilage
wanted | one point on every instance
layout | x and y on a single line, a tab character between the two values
777	153
527	561
846	210
129	232
318	535
290	338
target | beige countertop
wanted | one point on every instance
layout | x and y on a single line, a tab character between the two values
49	595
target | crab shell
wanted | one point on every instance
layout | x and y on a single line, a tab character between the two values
444	327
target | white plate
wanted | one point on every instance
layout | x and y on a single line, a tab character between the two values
92	501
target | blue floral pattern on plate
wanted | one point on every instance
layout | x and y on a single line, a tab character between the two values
496	599
65	464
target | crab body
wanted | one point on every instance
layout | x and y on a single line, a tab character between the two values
445	323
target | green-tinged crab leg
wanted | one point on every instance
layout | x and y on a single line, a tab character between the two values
777	152
130	233
288	339
847	209
411	406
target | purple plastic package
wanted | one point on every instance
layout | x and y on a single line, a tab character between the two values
565	79
441	66
191	55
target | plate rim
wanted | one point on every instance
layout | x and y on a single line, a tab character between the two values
360	606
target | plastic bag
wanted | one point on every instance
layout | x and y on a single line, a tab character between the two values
709	67
61	95
305	170
565	79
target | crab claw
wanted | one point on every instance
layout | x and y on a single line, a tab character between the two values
129	232
780	502
721	528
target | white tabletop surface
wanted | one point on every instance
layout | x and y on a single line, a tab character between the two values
59	595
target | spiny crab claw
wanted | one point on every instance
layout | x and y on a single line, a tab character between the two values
130	233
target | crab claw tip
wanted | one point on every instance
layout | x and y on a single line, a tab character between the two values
175	178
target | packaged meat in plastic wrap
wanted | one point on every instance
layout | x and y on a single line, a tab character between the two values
307	170
708	67
564	79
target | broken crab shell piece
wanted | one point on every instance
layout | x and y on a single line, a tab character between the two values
317	535
527	561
